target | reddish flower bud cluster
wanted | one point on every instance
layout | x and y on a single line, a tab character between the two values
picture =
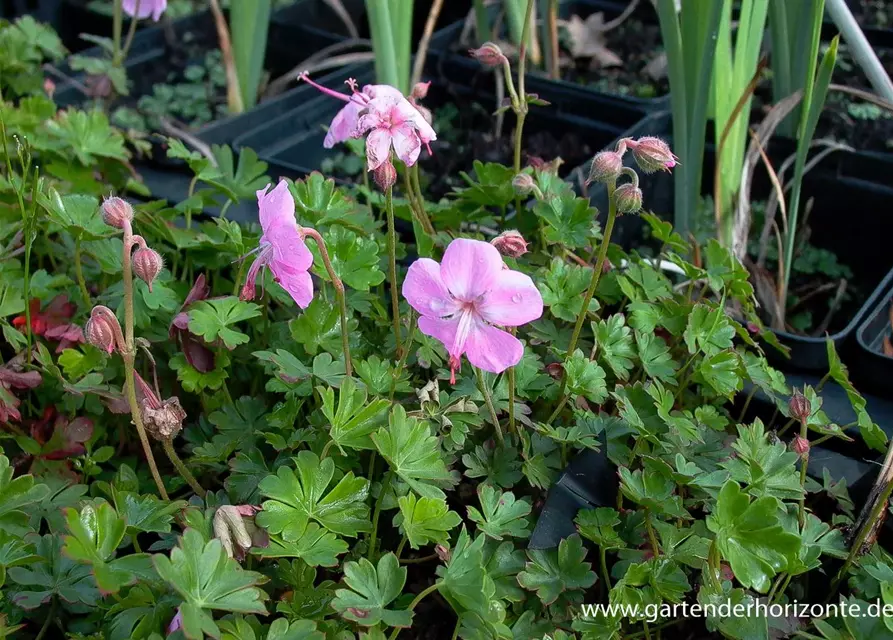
489	54
510	243
147	264
115	211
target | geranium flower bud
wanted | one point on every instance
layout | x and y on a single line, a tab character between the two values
800	446
443	553
652	154
605	168
385	176
510	243
147	265
100	334
799	407
103	330
524	185
115	211
628	198
419	91
555	369
489	54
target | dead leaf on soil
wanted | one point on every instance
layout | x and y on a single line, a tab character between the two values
587	40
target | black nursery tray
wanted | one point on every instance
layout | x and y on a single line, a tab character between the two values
874	369
573	97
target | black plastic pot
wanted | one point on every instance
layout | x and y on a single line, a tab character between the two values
873	367
570	97
860	243
315	21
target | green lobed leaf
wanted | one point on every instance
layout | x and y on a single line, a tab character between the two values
298	497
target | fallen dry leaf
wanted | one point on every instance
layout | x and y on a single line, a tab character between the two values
587	40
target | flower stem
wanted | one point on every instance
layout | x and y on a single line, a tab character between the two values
400	547
168	445
128	355
424	220
385	485
804	463
117	22
392	267
339	293
651	537
79	272
412	605
51	616
596	273
485	391
400	365
130	32
603	562
867	527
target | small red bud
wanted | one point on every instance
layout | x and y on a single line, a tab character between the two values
628	198
385	176
800	446
489	54
555	369
115	211
147	265
102	329
99	333
753	328
799	407
419	91
443	553
605	167
510	243
524	185
652	154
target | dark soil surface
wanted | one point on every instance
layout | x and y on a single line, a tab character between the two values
849	119
873	13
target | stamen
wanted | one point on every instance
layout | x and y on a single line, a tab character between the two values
306	78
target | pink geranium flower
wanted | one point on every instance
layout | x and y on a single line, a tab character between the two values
281	247
147	8
393	122
388	117
460	299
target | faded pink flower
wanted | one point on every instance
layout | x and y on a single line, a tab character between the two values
281	247
146	8
460	299
386	114
388	122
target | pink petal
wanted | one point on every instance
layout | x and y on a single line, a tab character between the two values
382	91
469	268
492	349
378	148
513	300
407	144
409	113
276	207
147	7
343	125
289	248
443	329
299	285
425	291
